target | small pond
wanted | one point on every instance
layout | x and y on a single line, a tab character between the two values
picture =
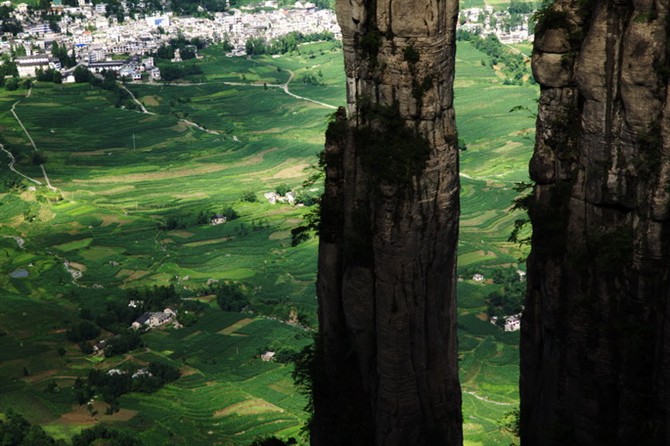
19	273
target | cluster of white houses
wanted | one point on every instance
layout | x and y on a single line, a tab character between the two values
487	21
93	38
132	68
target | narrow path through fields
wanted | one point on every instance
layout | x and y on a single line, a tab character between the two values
142	107
44	172
12	160
286	90
147	112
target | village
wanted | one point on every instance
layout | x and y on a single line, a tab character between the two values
123	43
101	42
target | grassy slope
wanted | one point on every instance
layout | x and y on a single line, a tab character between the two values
116	195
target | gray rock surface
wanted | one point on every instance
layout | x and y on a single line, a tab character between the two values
595	347
388	236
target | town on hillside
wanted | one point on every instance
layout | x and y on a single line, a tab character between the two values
122	37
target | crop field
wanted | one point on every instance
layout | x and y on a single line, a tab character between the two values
122	175
499	143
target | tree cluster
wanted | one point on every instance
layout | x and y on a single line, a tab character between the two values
521	7
83	331
110	386
284	44
49	75
285	353
123	343
60	52
115	317
15	430
108	82
510	299
9	24
187	48
274	441
230	296
249	196
100	434
174	71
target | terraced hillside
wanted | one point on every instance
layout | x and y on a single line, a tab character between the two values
129	189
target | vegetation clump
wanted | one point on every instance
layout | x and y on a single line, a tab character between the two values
391	152
16	430
370	43
411	55
230	296
256	46
111	384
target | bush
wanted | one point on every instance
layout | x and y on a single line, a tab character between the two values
230	214
249	196
91	436
82	75
283	189
83	331
11	84
231	297
121	344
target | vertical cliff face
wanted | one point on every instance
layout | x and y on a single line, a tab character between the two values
595	344
389	228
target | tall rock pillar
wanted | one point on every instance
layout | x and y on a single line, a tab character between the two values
387	352
595	339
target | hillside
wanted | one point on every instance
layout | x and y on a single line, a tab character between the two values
123	178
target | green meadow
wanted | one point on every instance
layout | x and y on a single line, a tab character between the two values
121	175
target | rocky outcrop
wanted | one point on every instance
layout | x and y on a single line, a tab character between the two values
595	347
386	361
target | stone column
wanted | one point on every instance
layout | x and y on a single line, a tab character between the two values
387	371
594	338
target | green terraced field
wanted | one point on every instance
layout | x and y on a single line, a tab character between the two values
122	174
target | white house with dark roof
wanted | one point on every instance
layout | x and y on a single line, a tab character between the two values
27	66
155	319
108	65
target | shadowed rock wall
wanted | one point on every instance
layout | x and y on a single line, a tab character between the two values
388	237
594	348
